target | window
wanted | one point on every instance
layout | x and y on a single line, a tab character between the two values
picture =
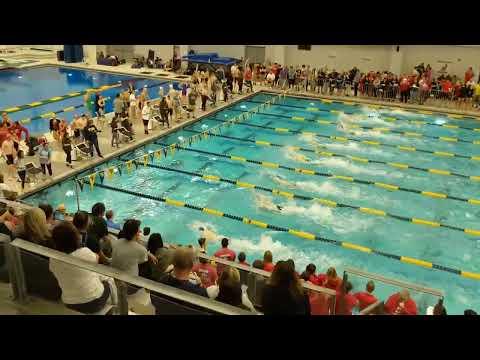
305	47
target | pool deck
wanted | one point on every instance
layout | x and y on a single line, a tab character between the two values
61	171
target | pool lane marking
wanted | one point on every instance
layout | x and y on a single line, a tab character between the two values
54	99
350	157
326	202
347	139
389	187
401	133
70	108
295	232
70	96
392	118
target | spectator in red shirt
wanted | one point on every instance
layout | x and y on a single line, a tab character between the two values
268	264
241	259
319	302
17	129
309	275
332	280
224	253
345	301
401	304
404	89
366	298
469	74
206	272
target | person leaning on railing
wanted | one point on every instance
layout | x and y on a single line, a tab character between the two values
82	290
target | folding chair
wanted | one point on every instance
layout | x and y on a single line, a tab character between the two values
82	149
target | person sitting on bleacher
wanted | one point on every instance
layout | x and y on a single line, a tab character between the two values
82	290
180	275
35	228
206	272
229	290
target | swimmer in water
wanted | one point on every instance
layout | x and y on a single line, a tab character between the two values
266	203
298	157
281	181
207	234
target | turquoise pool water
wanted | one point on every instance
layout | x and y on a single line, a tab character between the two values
439	245
25	86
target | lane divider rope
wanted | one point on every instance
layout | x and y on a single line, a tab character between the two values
326	202
396	165
376	107
381	185
364	142
407	134
70	108
58	98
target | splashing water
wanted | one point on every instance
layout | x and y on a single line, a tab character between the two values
327	188
355	169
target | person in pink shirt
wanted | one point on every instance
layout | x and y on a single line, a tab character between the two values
224	253
206	272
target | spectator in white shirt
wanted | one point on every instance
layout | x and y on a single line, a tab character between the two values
82	290
133	105
146	116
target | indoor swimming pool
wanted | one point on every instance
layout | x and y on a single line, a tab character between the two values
27	94
405	184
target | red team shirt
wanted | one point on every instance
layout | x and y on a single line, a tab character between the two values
268	267
350	302
207	273
365	299
393	307
225	254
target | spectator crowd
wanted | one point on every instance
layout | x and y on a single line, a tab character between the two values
139	252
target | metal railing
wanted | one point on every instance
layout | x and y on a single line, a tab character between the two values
388	93
246	272
122	279
13	255
384	287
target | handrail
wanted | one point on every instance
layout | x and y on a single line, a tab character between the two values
371	308
264	273
394	282
134	280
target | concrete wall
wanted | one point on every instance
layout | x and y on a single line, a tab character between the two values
235	51
460	57
165	52
341	57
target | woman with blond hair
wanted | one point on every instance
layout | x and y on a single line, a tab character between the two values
35	228
229	290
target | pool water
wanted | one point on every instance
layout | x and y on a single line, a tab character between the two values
439	245
25	86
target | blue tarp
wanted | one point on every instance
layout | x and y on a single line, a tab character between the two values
210	58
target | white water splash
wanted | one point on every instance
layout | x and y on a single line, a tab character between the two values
282	252
344	164
210	232
328	188
325	216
